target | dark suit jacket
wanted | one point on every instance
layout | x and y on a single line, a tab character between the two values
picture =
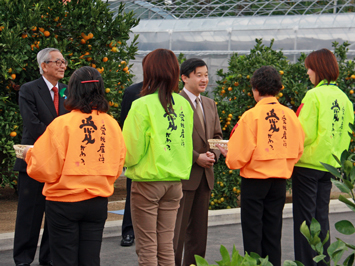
200	143
37	111
130	94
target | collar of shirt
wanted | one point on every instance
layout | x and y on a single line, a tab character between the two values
192	97
268	100
50	86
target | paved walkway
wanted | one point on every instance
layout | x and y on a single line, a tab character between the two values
224	229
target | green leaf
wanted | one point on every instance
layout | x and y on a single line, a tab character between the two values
349	261
305	231
341	186
345	227
225	256
319	258
350	204
332	170
201	261
290	263
315	227
336	250
326	239
337	159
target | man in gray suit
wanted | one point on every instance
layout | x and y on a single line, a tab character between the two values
191	225
40	102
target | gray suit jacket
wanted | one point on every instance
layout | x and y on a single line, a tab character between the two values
200	142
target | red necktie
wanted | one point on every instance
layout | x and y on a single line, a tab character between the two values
56	99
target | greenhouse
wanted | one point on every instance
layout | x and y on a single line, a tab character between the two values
213	30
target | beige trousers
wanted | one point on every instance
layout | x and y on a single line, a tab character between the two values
154	207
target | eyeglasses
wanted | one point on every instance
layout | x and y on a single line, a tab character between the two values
58	62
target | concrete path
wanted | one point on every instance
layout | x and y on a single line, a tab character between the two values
224	229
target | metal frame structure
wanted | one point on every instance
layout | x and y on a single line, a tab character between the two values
179	9
185	26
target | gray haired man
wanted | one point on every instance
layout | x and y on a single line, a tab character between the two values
40	102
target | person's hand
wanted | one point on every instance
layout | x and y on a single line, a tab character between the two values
223	150
25	152
211	155
204	160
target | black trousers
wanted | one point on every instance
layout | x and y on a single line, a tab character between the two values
310	196
30	210
75	231
262	203
127	226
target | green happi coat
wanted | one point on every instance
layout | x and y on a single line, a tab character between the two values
159	147
325	114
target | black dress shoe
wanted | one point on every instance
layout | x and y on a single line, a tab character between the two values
127	241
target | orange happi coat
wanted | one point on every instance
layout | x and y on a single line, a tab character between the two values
78	157
267	141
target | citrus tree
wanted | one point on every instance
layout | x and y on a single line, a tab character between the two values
85	31
233	96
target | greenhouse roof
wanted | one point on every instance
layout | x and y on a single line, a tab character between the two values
178	9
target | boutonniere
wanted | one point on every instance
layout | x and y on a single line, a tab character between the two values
61	93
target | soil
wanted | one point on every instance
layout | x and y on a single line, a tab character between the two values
8	205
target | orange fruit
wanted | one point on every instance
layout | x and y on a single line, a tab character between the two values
115	105
351	92
13	76
236	83
56	36
281	72
125	69
87	53
353	76
223	91
82	41
107	90
88	59
10	70
280	94
24	36
41	29
114	49
90	35
93	65
123	62
56	19
105	59
230	88
47	33
248	77
1	28
13	134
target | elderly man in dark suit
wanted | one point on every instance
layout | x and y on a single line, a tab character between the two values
131	93
40	102
191	225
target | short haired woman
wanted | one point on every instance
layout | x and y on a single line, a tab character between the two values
78	157
325	114
266	144
158	135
